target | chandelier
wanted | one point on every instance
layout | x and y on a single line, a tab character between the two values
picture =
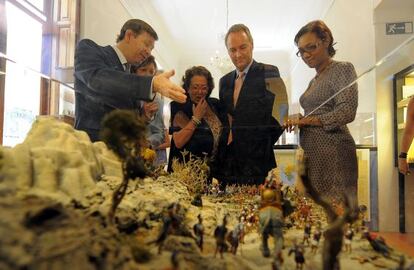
220	61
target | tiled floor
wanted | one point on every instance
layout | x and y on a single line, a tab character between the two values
403	242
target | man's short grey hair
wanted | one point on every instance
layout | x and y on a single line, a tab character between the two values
238	28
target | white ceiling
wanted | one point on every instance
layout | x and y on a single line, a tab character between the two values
198	26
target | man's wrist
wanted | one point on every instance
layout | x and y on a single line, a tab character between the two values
402	155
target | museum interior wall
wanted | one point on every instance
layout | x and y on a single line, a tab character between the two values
102	23
387	172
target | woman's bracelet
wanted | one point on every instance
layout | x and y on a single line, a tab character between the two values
195	120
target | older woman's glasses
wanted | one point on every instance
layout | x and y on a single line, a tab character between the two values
310	48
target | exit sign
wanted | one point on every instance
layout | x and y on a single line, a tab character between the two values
399	28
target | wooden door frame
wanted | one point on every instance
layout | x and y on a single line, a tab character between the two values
3	47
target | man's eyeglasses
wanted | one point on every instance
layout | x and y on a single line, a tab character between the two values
310	48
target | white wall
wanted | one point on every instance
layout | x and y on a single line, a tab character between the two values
166	50
353	30
387	11
101	21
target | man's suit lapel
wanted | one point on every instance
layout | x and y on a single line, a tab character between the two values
113	58
230	90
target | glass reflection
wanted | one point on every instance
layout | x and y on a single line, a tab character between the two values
380	58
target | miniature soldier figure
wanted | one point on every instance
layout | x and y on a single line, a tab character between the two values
271	220
244	212
362	220
349	234
277	262
169	221
378	244
305	210
172	225
220	234
197	201
316	238
307	232
199	232
236	235
299	258
241	226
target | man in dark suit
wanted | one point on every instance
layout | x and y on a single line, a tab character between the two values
255	100
103	81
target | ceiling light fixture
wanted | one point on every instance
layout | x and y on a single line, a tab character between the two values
222	62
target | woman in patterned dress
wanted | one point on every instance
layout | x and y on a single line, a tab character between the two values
324	136
195	125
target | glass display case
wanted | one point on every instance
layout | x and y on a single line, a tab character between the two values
38	41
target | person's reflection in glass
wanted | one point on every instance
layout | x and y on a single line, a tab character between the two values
407	138
249	95
153	113
324	136
195	125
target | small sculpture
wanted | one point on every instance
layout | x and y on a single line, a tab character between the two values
316	238
236	235
271	217
199	232
220	234
378	244
299	257
124	133
277	262
307	232
305	210
349	234
172	225
362	223
197	201
402	264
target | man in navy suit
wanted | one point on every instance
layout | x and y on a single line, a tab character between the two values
255	100
103	81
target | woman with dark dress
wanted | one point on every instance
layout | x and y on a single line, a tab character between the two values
324	136
195	125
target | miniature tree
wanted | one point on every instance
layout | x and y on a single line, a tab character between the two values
192	172
124	133
334	233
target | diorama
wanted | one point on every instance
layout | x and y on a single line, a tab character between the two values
67	203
